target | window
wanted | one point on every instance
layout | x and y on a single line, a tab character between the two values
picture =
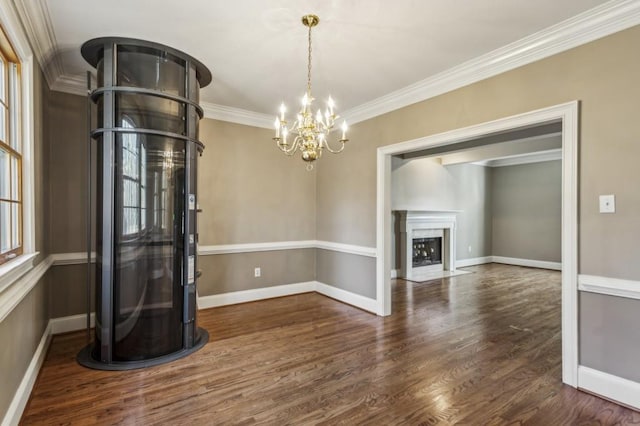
11	203
134	169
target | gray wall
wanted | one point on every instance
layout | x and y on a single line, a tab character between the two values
20	334
473	196
424	184
68	295
511	211
609	334
527	211
337	270
602	75
234	272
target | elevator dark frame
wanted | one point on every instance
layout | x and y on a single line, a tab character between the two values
147	148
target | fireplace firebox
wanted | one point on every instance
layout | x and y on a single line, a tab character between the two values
427	251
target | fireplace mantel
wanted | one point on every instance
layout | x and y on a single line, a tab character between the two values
418	223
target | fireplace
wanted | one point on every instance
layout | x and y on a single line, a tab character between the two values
427	244
427	252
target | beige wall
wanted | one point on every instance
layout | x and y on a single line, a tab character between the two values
249	191
603	76
67	145
527	211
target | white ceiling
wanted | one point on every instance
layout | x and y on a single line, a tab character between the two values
256	49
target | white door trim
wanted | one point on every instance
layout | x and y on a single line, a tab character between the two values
566	113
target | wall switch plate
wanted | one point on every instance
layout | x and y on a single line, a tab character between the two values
257	272
607	203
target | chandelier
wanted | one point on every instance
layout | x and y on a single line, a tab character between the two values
309	134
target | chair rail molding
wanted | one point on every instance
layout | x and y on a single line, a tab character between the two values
609	286
205	250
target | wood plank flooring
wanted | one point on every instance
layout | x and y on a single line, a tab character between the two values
481	348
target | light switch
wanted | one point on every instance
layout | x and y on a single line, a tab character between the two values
607	203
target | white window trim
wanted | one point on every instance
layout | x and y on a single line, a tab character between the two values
11	271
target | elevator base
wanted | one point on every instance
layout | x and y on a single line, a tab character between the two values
85	359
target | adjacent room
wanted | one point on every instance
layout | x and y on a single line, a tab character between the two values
292	212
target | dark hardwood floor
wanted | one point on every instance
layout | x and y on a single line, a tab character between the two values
482	348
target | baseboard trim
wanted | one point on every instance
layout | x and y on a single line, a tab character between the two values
395	273
79	322
71	323
611	387
463	263
21	397
234	297
527	262
609	286
353	299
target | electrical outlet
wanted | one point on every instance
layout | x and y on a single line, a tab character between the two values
469	249
607	204
257	272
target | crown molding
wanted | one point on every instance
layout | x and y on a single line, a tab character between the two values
76	84
237	115
36	20
601	21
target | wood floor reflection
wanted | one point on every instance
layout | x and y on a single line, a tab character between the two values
481	348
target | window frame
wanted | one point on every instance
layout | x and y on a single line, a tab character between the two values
12	271
12	144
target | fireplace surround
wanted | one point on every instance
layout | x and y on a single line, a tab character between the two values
427	243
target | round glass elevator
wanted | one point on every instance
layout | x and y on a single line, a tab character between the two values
147	146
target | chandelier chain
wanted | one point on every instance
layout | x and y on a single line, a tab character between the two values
309	65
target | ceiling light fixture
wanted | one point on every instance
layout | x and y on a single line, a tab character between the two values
310	134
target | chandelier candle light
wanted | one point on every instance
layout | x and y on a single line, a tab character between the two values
310	134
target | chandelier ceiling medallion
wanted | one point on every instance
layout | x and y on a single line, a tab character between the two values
310	134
